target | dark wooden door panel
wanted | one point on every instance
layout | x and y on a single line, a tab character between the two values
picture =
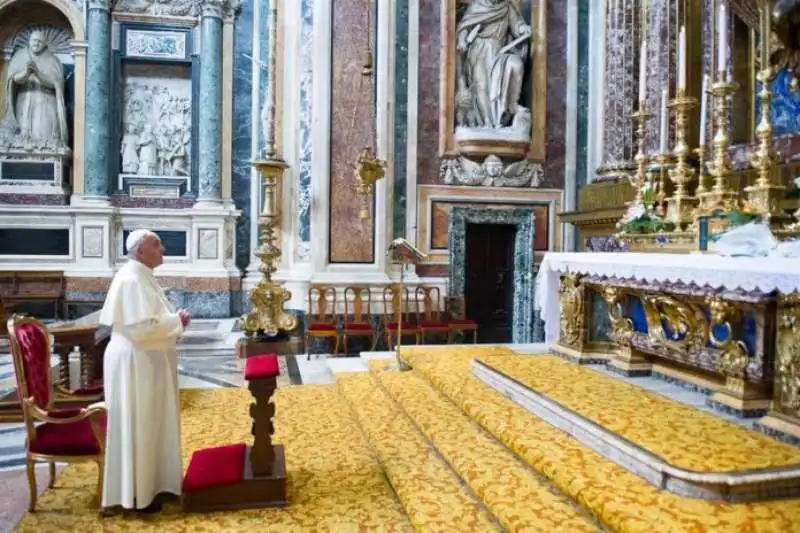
489	288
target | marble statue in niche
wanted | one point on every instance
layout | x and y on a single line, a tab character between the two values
492	172
35	115
492	53
157	127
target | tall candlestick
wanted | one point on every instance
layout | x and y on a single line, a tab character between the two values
643	72
703	110
664	121
722	37
682	59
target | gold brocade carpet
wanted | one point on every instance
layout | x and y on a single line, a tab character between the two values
644	418
335	484
621	500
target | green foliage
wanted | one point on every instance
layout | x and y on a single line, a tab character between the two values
738	217
646	224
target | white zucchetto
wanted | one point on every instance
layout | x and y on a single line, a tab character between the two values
136	237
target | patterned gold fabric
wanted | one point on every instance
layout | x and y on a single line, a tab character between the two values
520	499
643	417
334	482
431	494
621	500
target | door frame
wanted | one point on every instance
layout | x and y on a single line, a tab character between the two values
524	219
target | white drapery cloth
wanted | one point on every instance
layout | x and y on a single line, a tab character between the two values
140	374
730	273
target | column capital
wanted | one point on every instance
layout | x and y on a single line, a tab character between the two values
104	5
220	8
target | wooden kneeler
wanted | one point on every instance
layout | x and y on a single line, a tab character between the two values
238	476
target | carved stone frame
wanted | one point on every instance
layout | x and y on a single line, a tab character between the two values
537	65
524	220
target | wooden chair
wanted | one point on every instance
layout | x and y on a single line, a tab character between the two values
395	304
61	435
428	313
458	321
322	323
356	303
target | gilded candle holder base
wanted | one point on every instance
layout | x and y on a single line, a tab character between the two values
680	210
766	199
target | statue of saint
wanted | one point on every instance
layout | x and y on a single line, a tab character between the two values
493	45
34	104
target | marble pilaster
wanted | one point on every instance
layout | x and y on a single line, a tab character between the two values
662	36
98	87
400	117
303	249
622	37
210	103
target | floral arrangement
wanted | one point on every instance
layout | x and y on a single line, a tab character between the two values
639	219
739	216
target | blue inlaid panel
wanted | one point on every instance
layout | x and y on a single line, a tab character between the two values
635	312
785	105
400	116
98	103
34	241
306	150
524	317
210	109
242	128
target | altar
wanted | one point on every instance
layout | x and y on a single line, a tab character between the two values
729	326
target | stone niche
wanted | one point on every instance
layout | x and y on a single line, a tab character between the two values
37	94
492	119
156	120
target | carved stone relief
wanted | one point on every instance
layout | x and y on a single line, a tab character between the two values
34	109
491	57
156	124
491	173
179	8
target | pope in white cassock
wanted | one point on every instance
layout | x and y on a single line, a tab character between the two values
140	373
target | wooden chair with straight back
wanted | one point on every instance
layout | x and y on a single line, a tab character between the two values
429	318
321	323
396	304
357	302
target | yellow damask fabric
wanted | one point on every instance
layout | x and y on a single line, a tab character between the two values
621	500
335	483
431	494
644	418
520	499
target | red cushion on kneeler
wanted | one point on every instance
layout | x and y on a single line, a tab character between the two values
261	366
215	467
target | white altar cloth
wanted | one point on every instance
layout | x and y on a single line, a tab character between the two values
730	273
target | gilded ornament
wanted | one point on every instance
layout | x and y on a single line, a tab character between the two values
571	300
786	27
369	169
621	326
788	356
673	324
734	356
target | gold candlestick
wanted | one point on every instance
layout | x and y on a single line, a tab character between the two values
702	191
720	166
639	179
681	203
268	318
662	161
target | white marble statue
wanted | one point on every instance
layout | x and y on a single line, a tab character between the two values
147	152
34	94
492	172
128	150
177	151
492	49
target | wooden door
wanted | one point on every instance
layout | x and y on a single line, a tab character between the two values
489	288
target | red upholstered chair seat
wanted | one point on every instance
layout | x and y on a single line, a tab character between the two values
92	390
321	326
215	467
433	324
261	366
75	438
358	326
461	323
406	326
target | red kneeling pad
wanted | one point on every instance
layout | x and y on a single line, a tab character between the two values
214	467
261	366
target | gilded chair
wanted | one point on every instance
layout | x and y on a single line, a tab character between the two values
428	312
52	435
357	303
396	304
320	319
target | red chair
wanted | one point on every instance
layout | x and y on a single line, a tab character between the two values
360	300
428	312
62	435
395	304
321	323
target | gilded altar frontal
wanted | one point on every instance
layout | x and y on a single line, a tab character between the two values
407	265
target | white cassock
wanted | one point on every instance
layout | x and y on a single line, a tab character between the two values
140	376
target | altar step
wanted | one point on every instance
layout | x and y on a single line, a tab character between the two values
526	474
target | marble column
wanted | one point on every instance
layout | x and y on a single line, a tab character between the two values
98	87
210	102
623	35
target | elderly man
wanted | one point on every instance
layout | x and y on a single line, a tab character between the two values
143	441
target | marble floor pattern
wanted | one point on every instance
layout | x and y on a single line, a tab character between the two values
226	370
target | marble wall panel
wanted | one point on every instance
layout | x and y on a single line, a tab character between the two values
351	239
428	95
582	129
556	94
242	130
400	117
306	151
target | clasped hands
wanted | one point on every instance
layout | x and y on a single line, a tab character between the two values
186	318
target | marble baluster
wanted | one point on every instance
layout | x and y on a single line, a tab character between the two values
210	103
623	36
98	87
